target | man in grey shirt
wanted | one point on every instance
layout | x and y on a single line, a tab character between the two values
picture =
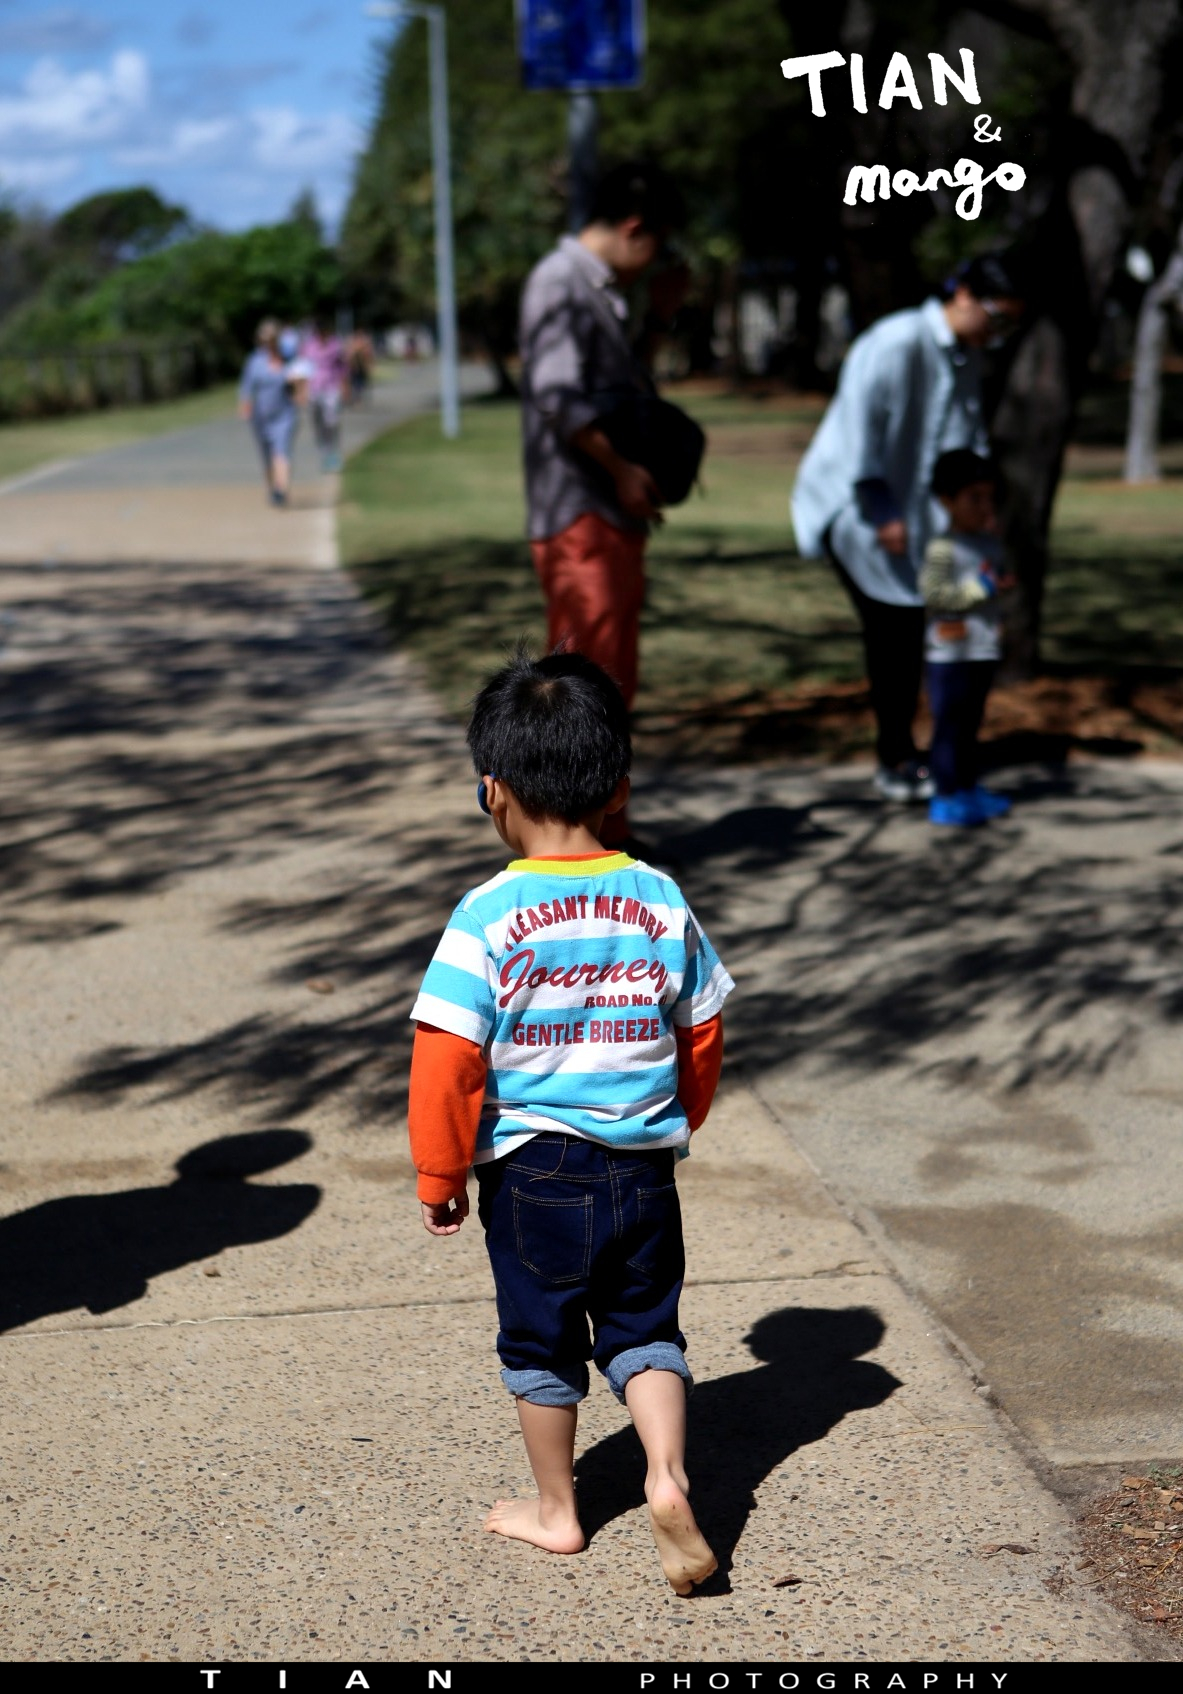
589	510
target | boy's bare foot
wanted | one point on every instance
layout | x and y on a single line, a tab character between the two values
521	1520
685	1556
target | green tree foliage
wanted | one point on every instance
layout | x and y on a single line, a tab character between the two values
763	178
63	258
214	287
124	223
709	112
96	235
27	253
508	164
716	112
304	210
1085	91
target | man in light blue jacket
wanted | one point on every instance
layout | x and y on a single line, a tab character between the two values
909	390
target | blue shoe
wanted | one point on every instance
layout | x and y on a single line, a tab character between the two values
956	810
989	804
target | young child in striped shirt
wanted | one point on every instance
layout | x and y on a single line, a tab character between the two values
961	579
568	1042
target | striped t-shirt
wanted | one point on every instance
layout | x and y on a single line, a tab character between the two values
571	974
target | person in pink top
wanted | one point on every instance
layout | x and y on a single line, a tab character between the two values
324	352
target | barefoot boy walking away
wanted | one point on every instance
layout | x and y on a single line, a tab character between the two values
569	1039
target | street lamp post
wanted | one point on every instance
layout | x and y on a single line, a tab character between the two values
582	153
441	170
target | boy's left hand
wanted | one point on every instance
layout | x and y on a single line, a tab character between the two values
445	1217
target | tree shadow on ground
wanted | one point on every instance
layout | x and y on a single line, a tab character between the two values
459	604
856	937
101	1251
1034	955
780	673
741	1427
138	650
158	727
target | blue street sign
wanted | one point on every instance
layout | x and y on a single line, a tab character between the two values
581	45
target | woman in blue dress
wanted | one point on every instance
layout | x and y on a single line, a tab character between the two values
267	398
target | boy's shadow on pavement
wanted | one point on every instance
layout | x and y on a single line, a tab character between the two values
741	1427
101	1250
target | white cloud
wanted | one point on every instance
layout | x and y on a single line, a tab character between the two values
33	175
70	108
286	141
188	140
196	135
121	118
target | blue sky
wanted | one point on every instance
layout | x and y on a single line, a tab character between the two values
230	107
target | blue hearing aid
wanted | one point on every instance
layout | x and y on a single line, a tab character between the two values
482	795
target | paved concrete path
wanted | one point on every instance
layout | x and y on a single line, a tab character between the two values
198	493
251	1410
975	1039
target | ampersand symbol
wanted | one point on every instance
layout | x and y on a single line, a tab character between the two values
982	130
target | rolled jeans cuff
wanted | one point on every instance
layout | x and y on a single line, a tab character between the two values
658	1355
547	1387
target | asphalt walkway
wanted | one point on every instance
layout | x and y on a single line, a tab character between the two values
198	493
251	1410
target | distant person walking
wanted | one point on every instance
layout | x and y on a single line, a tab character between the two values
267	399
328	380
909	390
359	353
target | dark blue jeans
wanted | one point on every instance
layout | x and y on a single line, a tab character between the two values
957	693
580	1233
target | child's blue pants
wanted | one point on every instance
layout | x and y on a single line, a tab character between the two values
957	691
578	1233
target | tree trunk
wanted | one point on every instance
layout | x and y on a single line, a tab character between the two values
1141	448
814	208
1117	54
1030	431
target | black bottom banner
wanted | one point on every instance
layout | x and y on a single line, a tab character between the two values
510	1677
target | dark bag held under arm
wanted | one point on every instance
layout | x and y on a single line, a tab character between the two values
642	427
649	431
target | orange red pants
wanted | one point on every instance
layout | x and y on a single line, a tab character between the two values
593	577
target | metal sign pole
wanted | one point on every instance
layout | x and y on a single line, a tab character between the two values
445	276
583	156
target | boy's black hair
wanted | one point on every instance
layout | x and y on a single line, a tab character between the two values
958	469
555	730
637	188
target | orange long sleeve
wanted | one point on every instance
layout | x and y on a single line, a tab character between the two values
700	1059
446	1094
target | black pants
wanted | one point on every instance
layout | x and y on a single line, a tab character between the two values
957	696
893	642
